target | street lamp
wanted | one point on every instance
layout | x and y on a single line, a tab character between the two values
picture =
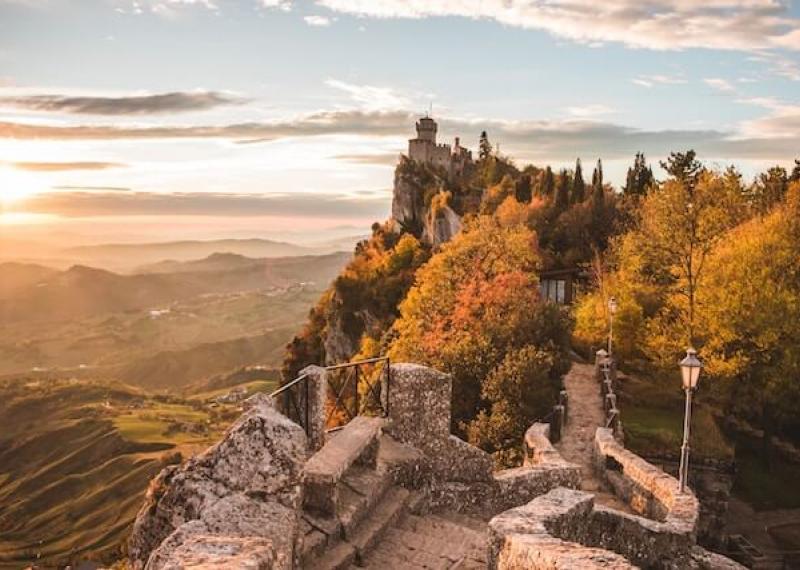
612	309
690	372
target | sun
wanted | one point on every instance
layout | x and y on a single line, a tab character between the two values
16	185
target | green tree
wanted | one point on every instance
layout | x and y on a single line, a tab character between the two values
640	177
561	200
548	184
683	167
578	186
795	175
484	146
768	189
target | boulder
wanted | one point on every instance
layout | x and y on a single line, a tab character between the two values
247	485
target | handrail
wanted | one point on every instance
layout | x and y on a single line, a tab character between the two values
285	387
356	363
296	404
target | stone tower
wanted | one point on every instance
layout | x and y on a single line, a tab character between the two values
426	129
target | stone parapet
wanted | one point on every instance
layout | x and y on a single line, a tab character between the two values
647	489
564	529
540	536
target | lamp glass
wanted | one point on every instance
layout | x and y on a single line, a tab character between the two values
612	305
690	369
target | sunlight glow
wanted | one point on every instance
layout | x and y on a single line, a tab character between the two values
16	185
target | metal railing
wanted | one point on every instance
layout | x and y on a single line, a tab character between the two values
353	389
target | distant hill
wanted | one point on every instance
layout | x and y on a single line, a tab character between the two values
41	295
178	368
125	256
17	276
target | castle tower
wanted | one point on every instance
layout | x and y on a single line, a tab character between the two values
426	129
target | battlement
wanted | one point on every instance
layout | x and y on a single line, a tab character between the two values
425	150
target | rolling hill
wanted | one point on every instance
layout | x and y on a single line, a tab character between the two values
77	456
129	255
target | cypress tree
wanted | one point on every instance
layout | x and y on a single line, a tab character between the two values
484	146
548	183
562	191
578	186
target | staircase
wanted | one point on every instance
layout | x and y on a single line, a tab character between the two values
355	516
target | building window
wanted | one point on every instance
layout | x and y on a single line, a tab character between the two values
553	290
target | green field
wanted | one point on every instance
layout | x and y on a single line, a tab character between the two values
77	457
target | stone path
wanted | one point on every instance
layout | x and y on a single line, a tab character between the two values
434	541
585	415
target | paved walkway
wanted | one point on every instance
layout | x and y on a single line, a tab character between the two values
585	415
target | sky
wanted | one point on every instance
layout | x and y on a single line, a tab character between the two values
140	119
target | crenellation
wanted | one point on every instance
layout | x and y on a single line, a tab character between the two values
425	150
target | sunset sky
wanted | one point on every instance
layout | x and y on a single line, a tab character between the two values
123	119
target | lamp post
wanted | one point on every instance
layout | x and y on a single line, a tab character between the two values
612	309
690	372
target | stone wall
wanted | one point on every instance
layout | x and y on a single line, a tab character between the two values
646	488
564	529
453	473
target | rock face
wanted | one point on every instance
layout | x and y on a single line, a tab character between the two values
408	203
441	226
241	497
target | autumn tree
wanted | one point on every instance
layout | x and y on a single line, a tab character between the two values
680	225
751	315
473	304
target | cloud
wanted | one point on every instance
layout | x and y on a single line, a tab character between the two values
63	166
781	123
353	122
591	110
651	80
283	5
128	105
120	202
317	21
525	139
719	84
371	97
385	158
743	25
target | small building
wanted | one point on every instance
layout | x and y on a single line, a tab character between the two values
559	285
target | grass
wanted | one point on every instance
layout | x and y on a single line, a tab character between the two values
763	485
652	417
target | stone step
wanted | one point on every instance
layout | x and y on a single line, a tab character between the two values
444	542
360	490
339	557
386	513
359	533
356	444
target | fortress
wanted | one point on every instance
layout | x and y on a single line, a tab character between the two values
424	149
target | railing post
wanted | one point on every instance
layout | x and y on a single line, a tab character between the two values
385	387
317	387
557	424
